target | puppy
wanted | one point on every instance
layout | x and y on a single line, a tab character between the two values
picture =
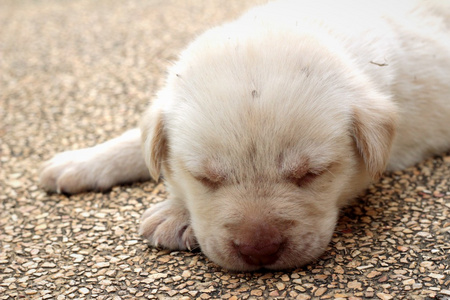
267	126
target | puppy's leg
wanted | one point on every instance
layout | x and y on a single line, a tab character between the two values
167	224
100	167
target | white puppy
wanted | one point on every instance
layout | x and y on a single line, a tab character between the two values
267	126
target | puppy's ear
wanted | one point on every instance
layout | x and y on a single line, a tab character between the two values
154	140
374	124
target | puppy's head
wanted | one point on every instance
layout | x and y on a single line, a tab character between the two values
265	147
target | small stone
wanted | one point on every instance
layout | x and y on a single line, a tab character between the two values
364	267
84	291
99	228
103	264
369	294
274	294
9	280
423	234
78	257
402	248
186	274
15	183
105	282
119	231
157	275
373	274
256	293
437	276
320	291
30	292
384	296
285	277
193	293
354	285
280	286
48	265
427	264
300	288
41	226
340	295
417	286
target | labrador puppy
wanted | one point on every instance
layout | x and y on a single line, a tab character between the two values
268	125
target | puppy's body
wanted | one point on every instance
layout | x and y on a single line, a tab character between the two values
268	125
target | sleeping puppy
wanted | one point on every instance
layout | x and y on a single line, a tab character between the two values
268	125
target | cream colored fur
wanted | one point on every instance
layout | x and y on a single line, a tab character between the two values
268	125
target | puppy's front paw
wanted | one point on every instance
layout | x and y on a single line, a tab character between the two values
167	224
75	171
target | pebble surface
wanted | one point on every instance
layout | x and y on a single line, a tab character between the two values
73	74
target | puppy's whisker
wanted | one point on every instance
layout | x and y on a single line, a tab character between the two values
328	170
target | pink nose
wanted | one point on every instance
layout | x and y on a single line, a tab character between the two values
259	243
260	255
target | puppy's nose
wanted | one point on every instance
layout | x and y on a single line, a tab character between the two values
259	255
259	244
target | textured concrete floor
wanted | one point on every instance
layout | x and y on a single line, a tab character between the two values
75	73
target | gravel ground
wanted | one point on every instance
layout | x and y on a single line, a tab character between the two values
76	73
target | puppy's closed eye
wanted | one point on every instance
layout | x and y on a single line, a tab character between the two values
305	178
211	176
302	173
211	182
